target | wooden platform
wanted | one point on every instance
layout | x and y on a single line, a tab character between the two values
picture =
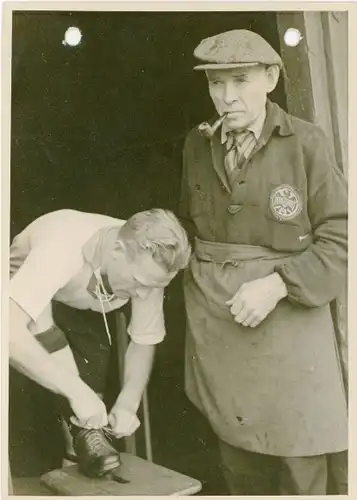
29	486
144	478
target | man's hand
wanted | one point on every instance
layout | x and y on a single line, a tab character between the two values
256	299
123	422
89	409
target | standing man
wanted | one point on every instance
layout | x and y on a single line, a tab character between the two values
91	261
268	207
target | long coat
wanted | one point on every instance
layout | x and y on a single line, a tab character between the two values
277	388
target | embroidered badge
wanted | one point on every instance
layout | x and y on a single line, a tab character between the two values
285	202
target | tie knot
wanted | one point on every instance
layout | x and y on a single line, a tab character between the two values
236	139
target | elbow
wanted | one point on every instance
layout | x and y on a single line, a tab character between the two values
15	353
16	345
143	349
18	331
141	352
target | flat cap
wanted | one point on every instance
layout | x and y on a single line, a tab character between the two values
233	49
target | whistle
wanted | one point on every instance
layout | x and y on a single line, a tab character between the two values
207	130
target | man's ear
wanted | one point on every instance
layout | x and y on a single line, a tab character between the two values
119	244
119	248
272	74
124	248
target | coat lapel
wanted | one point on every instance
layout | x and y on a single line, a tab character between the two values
218	152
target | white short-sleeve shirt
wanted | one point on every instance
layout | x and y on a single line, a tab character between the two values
47	262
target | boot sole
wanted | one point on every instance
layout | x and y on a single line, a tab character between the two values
111	463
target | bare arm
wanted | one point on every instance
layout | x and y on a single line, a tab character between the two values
30	358
137	368
146	329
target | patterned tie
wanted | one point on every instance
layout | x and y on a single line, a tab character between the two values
238	146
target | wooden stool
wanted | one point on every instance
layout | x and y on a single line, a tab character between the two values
140	477
144	478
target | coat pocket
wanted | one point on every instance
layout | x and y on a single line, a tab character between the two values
199	199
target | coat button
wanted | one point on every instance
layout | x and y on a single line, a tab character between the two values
233	209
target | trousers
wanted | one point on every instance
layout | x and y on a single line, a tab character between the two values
249	473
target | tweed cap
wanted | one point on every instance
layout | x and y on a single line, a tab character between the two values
233	49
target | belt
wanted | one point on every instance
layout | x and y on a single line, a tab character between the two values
209	251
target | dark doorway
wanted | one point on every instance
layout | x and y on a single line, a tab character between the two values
100	128
89	123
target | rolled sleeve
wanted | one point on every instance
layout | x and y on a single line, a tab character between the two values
147	325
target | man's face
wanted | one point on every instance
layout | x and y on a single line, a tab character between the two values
240	92
135	277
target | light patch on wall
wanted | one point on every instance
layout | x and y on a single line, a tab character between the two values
72	37
292	37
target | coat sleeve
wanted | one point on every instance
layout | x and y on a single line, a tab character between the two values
315	277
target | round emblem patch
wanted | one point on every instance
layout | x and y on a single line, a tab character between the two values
285	202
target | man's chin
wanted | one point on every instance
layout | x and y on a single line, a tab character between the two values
235	122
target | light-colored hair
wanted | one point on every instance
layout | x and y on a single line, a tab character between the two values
160	232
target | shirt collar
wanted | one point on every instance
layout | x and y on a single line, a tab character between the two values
256	127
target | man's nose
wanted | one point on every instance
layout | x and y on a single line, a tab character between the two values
230	93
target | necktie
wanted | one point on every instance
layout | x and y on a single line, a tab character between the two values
237	144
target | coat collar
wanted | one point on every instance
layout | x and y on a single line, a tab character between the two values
277	122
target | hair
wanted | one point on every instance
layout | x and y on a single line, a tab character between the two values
159	232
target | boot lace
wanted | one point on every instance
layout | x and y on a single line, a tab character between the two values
97	440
